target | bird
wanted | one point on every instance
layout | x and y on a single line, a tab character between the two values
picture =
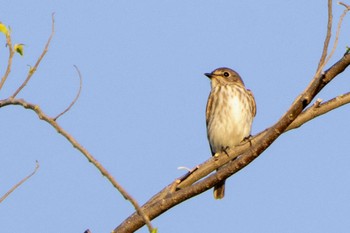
230	111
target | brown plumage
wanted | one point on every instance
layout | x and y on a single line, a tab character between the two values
229	114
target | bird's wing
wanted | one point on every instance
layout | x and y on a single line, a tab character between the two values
253	104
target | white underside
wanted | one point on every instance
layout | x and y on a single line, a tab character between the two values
231	131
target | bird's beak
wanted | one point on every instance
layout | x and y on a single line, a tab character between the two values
209	75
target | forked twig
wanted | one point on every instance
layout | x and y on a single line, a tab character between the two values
326	59
76	97
319	109
340	22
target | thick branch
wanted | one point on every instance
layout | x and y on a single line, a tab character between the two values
172	195
319	109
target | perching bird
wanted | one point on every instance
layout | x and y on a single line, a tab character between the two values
229	114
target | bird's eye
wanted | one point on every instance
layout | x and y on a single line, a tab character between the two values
226	74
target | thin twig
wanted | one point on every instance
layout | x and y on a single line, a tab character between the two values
9	61
340	22
325	48
325	59
327	39
78	146
33	69
76	97
20	183
345	5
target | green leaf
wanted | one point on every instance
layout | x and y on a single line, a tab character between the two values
347	50
19	48
4	29
154	230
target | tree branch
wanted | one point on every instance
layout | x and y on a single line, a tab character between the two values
79	147
9	61
319	109
52	121
340	22
20	183
185	187
170	196
76	97
177	192
327	39
33	69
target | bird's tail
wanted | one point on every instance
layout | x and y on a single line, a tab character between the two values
219	190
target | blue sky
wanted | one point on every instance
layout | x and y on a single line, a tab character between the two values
141	114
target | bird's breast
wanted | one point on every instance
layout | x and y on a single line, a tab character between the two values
230	117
